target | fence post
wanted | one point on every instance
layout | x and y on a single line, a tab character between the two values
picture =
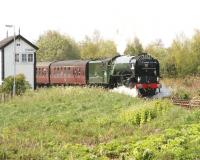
3	97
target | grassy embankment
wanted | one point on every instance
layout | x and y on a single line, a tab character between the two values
90	123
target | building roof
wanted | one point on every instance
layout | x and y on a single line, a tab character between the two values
5	42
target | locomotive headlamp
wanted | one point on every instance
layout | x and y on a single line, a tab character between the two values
132	67
139	86
139	79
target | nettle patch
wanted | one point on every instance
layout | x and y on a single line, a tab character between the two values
148	112
172	144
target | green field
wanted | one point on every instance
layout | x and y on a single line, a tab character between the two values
92	123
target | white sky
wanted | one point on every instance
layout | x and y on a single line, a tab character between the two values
118	20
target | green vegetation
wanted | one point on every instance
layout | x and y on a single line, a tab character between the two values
96	47
133	47
21	84
55	46
92	123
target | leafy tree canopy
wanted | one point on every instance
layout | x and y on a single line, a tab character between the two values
183	56
133	47
54	46
95	47
156	49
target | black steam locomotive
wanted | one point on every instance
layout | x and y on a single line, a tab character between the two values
141	72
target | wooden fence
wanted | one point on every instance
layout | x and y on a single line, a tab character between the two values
187	103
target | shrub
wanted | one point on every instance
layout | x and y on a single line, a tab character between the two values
198	70
20	81
198	92
145	114
182	94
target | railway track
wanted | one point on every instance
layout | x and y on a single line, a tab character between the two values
193	103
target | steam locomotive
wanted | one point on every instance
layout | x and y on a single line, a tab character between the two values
141	72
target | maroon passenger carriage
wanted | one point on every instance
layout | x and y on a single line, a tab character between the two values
71	72
42	73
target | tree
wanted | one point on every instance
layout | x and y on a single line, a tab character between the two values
157	50
184	58
195	47
96	47
54	46
133	47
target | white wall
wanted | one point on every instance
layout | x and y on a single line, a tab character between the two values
26	68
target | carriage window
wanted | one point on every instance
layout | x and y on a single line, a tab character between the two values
41	72
55	71
44	72
79	71
65	71
61	70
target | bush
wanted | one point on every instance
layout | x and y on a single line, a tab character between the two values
198	70
145	114
20	81
182	94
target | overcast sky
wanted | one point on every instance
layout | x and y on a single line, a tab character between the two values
118	20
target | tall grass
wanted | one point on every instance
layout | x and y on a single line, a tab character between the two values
186	87
78	123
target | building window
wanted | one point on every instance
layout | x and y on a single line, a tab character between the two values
16	57
30	57
24	58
